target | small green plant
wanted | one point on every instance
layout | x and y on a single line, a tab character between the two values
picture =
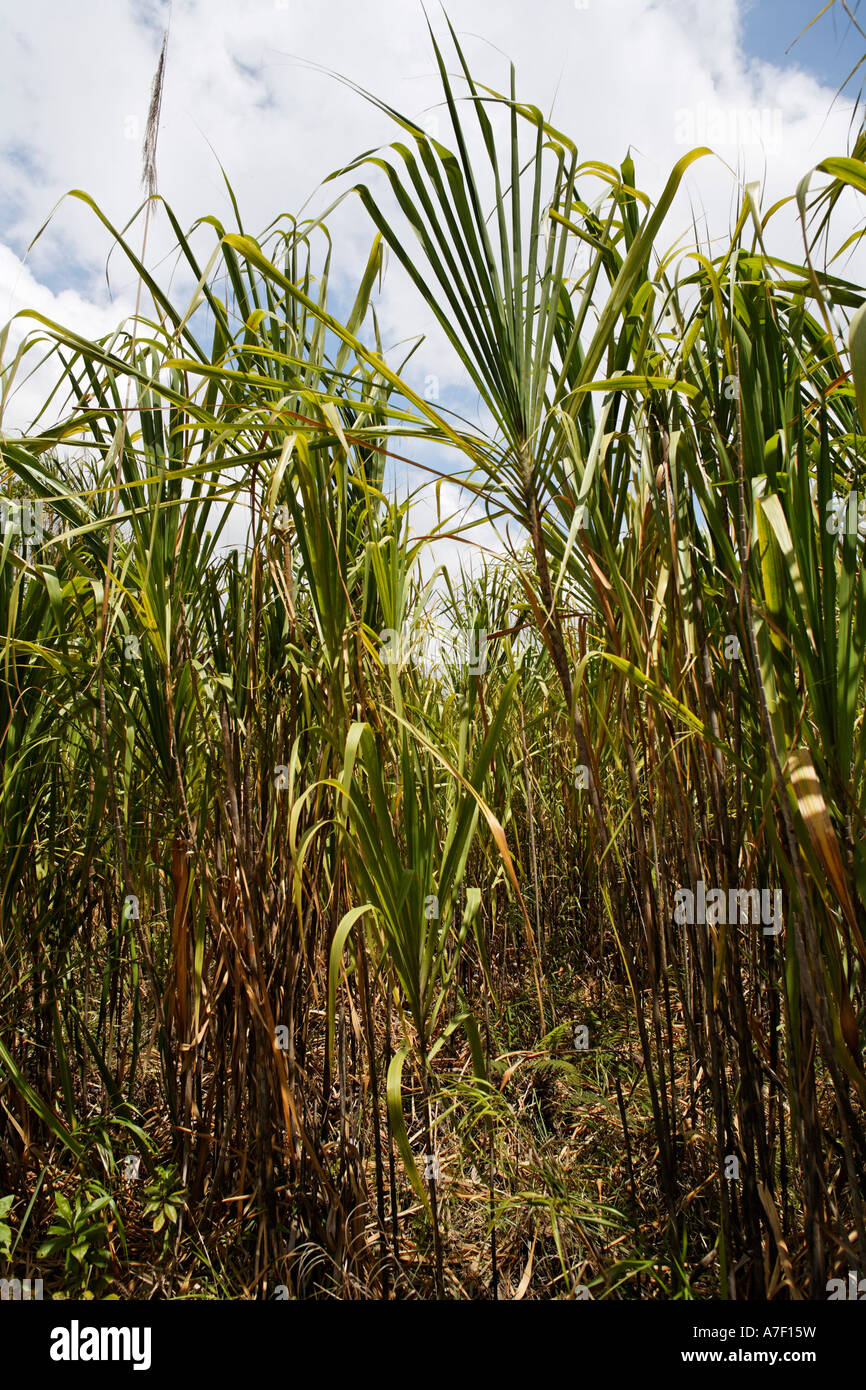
5	1231
165	1197
80	1233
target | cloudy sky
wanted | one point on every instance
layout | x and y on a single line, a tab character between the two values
245	89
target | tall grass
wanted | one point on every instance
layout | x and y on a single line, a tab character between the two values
308	926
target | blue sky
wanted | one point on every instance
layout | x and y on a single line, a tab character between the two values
829	49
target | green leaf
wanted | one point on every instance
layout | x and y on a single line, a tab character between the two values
398	1123
857	346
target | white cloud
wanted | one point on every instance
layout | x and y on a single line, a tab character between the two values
22	294
613	75
442	515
